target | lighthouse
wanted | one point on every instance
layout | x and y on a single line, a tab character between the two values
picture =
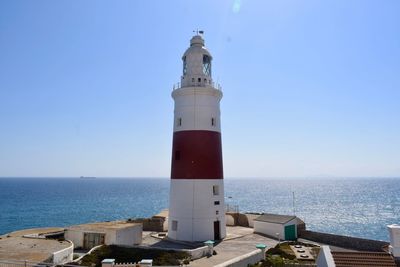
196	207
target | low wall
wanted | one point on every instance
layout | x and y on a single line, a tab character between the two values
241	219
198	252
195	254
244	260
344	241
64	256
154	224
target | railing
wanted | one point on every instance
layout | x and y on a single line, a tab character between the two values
232	208
198	84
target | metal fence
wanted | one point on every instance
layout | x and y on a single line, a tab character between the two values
232	208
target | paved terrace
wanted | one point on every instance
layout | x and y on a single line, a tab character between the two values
239	241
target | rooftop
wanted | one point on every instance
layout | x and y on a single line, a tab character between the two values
14	246
103	225
275	218
349	259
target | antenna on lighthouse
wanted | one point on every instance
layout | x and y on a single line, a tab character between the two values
198	32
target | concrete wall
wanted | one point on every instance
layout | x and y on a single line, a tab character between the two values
241	219
344	241
244	260
154	224
230	220
64	256
195	254
75	236
250	218
129	236
110	238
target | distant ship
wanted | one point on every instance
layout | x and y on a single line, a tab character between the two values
87	177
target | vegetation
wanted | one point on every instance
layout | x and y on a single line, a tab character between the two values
123	254
281	254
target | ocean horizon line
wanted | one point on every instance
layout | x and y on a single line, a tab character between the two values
232	177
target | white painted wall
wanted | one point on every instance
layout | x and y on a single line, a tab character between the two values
192	205
325	258
64	256
196	106
271	229
394	234
129	236
75	236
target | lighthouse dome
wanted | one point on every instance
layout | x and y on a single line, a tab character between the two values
196	64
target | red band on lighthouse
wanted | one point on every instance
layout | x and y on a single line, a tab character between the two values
196	155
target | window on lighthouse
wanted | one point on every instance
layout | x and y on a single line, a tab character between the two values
184	66
215	190
207	65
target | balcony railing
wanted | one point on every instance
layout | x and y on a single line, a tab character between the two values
198	84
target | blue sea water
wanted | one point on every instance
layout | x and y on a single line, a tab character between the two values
359	207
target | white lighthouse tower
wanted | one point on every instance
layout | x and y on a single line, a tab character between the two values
197	209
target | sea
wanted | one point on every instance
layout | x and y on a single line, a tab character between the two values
360	207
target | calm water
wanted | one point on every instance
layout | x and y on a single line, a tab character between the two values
357	207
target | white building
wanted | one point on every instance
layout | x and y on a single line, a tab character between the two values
394	233
283	227
197	210
90	235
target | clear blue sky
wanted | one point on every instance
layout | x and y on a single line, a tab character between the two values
311	88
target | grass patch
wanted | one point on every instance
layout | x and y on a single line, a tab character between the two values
122	254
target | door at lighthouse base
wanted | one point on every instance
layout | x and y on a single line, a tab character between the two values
217	235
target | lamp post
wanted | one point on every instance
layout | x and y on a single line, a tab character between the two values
279	239
210	245
262	247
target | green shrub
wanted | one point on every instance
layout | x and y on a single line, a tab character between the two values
123	254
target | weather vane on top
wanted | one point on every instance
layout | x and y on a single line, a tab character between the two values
198	32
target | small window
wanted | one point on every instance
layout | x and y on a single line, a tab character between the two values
205	80
212	122
179	122
174	225
216	212
199	80
215	190
216	202
184	66
177	155
192	80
